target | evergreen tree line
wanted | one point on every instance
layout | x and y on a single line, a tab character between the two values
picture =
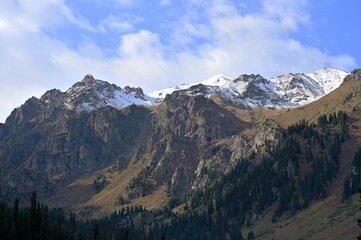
37	222
339	121
353	181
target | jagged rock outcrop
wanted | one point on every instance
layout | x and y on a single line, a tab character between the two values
355	75
181	126
221	156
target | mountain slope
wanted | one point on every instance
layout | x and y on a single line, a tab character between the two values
328	218
82	154
50	140
55	148
347	97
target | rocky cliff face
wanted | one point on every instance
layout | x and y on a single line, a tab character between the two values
181	126
39	143
222	155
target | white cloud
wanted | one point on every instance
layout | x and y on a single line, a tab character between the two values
35	16
211	37
75	18
142	44
261	42
289	13
3	25
118	24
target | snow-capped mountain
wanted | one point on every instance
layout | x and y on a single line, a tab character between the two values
326	78
249	91
255	91
90	94
221	80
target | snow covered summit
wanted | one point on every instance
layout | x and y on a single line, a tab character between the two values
249	91
90	94
254	91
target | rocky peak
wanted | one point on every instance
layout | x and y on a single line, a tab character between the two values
256	88
51	95
328	78
298	88
90	94
256	78
88	79
138	92
84	96
254	92
25	113
290	80
355	75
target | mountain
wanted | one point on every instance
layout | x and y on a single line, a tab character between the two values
225	151
254	91
48	140
94	124
90	94
249	91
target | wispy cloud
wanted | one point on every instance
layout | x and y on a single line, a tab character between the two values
288	13
118	24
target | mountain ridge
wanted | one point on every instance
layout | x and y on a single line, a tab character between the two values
254	91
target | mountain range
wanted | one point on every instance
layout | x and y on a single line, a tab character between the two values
98	147
254	91
250	91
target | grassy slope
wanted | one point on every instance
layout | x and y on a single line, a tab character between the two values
81	198
326	219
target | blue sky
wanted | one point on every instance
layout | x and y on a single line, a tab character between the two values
160	43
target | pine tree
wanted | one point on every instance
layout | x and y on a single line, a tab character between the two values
15	227
16	212
3	220
359	220
96	232
250	235
126	234
45	225
34	218
346	189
